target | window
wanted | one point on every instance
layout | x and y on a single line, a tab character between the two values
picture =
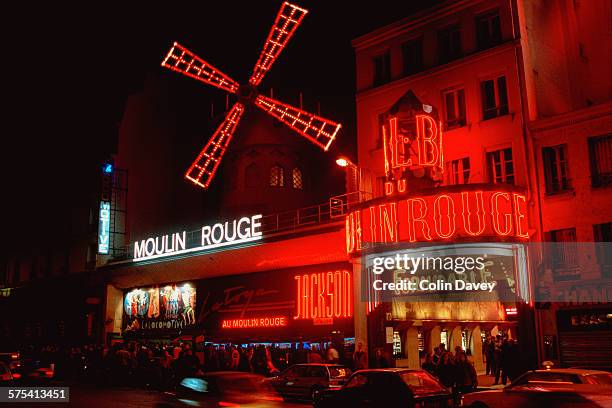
494	98
600	156
382	69
252	175
459	171
488	30
501	167
563	254
412	56
449	44
602	234
277	176
357	381
454	108
296	179
556	169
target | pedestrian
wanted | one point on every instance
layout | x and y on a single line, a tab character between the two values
446	371
332	355
466	379
360	359
489	352
428	365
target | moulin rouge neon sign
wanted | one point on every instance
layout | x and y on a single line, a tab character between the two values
324	295
438	217
243	230
400	151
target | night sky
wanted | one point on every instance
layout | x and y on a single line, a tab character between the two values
69	68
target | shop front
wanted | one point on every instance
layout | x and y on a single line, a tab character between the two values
443	266
305	307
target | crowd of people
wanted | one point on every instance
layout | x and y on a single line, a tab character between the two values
502	359
161	365
454	370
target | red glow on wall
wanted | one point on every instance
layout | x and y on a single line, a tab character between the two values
316	129
251	323
439	217
324	295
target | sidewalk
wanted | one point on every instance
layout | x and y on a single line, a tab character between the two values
486	381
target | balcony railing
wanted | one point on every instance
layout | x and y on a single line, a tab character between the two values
287	221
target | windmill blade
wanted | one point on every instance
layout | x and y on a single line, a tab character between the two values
287	21
180	59
204	167
318	130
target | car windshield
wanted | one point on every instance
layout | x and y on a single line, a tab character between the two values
602	379
419	381
339	372
548	377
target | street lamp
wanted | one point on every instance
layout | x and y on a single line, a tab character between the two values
352	174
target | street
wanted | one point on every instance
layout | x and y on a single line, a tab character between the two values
92	396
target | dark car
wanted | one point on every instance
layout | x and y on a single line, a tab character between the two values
303	381
222	389
388	388
6	376
563	387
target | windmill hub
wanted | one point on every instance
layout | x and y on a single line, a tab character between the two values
247	94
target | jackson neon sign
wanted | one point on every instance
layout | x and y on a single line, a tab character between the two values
324	295
439	217
221	234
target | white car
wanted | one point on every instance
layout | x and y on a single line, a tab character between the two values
563	387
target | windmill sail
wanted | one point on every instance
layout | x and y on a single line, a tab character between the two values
205	166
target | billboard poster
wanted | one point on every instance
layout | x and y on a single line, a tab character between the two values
162	307
306	301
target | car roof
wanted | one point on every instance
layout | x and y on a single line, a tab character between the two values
575	371
388	370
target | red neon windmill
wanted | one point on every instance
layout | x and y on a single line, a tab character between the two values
318	130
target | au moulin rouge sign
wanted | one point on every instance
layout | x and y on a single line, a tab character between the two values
435	214
296	300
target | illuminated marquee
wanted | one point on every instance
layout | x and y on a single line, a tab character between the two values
439	217
245	229
324	295
276	321
104	228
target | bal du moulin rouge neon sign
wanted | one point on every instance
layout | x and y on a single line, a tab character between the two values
435	214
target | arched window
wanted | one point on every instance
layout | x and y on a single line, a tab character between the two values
252	175
296	179
277	176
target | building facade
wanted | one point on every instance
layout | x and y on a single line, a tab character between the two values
520	104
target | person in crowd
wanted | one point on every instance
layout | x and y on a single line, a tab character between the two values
235	358
428	365
466	379
497	358
489	350
314	356
332	355
360	359
446	370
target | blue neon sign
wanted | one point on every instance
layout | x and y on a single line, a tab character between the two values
104	228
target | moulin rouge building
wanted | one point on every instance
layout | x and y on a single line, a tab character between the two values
516	153
483	124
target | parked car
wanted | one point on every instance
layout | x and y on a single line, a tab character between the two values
303	381
562	387
222	389
11	359
6	376
387	388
